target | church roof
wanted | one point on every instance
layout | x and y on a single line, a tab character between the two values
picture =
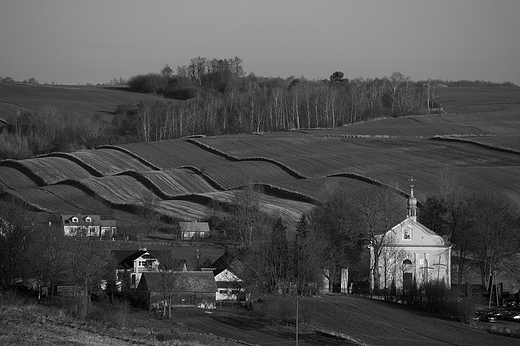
412	233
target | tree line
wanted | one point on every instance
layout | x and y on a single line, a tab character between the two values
219	98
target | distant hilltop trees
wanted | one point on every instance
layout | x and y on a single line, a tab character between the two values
9	80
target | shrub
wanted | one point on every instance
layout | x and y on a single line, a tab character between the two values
112	315
14	146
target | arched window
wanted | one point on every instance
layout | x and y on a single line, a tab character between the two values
407	266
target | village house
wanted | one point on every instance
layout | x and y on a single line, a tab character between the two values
131	265
231	288
88	225
412	254
194	230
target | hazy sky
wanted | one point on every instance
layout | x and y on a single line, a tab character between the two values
94	41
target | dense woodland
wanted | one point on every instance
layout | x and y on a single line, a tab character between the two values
219	98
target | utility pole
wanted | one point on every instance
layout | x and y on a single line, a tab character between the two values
297	301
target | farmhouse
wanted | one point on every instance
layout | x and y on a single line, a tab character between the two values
194	230
411	254
231	288
87	225
131	265
186	289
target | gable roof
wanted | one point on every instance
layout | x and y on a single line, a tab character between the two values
229	260
194	226
125	258
420	235
67	219
193	281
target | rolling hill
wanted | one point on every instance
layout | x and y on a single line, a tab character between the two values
80	101
477	141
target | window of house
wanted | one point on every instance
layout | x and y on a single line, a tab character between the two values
133	279
74	219
88	219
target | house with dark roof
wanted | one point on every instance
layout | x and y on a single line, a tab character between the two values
194	230
131	265
231	288
88	225
182	289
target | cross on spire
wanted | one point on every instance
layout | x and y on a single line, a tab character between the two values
412	201
412	184
412	181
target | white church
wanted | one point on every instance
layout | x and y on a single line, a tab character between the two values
412	253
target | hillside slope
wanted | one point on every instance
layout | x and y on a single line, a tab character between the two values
295	169
80	101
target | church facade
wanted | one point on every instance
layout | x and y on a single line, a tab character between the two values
411	254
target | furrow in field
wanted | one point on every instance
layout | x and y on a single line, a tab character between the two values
12	178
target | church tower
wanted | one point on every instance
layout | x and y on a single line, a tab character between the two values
412	203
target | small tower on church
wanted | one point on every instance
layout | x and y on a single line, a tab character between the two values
412	203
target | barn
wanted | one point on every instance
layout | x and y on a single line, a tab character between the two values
186	289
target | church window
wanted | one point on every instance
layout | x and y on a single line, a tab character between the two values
407	233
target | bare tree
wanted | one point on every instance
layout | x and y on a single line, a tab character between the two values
169	266
16	236
87	259
496	229
247	209
379	209
147	209
336	221
48	255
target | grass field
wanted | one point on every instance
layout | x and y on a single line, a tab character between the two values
81	101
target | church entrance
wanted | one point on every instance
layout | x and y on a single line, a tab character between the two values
407	276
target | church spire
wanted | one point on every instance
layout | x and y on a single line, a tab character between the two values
412	202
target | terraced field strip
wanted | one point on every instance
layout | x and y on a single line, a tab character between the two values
110	162
244	147
75	196
507	142
239	173
121	190
326	156
55	169
11	178
185	210
173	154
321	188
289	210
44	200
417	126
176	182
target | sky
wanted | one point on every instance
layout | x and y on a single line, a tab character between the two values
94	41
